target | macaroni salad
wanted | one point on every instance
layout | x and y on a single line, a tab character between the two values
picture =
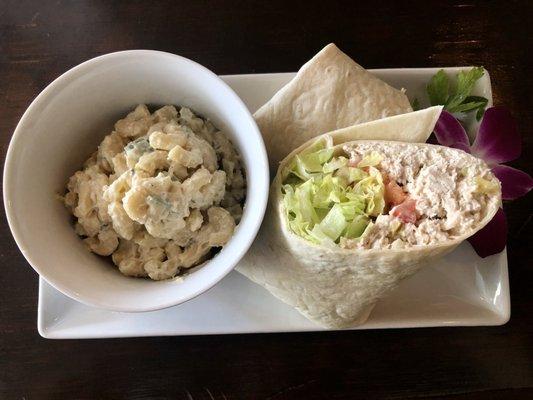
161	193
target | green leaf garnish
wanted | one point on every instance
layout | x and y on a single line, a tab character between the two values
438	88
482	105
465	84
456	98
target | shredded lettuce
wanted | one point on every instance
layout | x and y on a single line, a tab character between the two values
313	162
318	236
334	223
351	174
370	160
334	164
325	200
356	228
373	190
306	164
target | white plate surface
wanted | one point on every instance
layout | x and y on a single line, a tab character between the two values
460	290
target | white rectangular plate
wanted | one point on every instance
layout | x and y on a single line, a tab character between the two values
459	290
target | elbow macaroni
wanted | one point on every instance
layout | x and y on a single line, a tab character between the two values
161	192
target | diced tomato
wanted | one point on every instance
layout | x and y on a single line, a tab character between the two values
394	195
406	211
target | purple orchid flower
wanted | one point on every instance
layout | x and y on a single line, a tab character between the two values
497	141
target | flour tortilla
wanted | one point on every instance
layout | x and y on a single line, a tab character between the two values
329	92
337	288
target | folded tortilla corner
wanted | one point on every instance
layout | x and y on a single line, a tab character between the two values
329	92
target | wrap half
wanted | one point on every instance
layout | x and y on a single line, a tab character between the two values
413	202
330	91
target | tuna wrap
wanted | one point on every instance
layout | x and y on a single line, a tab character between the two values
354	212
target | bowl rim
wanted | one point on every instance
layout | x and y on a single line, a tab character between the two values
256	217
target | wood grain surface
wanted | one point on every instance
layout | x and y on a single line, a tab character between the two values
39	40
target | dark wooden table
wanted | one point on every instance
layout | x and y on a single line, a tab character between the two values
39	40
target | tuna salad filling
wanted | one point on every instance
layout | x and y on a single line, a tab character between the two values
163	191
370	195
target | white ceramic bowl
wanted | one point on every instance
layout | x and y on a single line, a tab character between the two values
65	124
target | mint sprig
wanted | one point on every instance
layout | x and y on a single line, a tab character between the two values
456	98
